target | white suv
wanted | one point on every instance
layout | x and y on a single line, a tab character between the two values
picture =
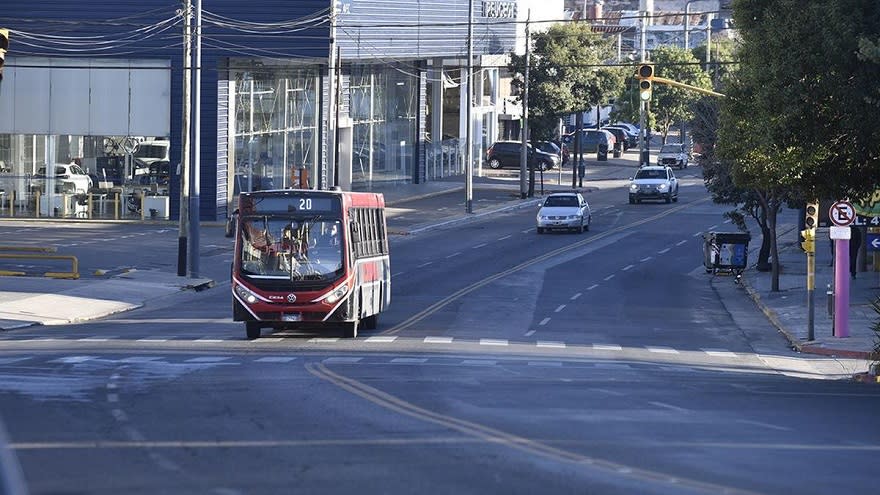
673	155
69	178
653	183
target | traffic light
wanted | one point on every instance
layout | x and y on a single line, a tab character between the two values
4	45
811	215
645	75
809	242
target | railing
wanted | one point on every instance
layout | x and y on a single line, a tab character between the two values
38	253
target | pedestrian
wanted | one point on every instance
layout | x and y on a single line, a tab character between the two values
582	168
855	243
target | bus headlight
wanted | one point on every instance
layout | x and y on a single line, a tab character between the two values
336	294
246	294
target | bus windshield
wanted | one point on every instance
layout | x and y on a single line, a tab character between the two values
294	248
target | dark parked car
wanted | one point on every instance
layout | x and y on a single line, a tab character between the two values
593	141
507	154
553	148
630	138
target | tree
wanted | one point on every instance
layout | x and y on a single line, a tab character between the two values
568	73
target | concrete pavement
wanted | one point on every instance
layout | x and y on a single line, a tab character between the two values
33	301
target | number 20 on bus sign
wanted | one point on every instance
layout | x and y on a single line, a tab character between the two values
842	213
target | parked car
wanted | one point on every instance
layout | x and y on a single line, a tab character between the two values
673	155
554	149
507	154
69	178
653	182
620	136
566	211
631	134
592	141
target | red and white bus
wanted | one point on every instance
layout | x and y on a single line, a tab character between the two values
306	258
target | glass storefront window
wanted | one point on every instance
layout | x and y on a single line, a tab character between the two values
384	111
276	128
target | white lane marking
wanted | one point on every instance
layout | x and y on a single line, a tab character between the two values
112	398
73	359
208	340
544	321
96	339
493	342
119	414
526	231
505	237
381	339
649	258
664	251
679	243
478	246
275	359
270	339
607	347
425	264
698	234
765	425
453	255
728	221
668	406
530	333
438	340
719	352
661	349
628	267
207	359
609	392
560	308
592	286
14	360
479	362
409	360
713	227
397	274
609	277
323	340
140	359
151	340
550	343
554	364
575	296
342	360
111	386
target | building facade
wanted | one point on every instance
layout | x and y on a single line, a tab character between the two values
354	93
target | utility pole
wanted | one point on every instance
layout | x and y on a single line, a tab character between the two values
194	209
523	158
469	152
185	147
323	179
643	105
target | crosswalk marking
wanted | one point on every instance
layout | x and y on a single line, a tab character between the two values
438	340
409	360
607	347
73	359
479	362
339	359
661	349
207	359
323	340
275	359
546	343
381	339
493	342
719	353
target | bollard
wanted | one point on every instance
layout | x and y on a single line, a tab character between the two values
830	295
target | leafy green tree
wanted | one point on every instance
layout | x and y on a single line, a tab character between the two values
672	104
568	73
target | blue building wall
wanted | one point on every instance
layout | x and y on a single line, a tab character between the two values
120	29
373	31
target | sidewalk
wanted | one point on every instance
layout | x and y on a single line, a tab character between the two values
787	308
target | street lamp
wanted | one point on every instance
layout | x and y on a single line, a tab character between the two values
687	22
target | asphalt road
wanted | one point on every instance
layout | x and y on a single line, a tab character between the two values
509	362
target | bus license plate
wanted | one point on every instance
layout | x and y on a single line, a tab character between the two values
292	317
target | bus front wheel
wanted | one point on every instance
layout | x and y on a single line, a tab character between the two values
350	329
253	329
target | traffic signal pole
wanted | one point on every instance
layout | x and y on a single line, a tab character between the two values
811	222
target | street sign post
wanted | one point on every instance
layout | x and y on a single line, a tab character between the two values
842	214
